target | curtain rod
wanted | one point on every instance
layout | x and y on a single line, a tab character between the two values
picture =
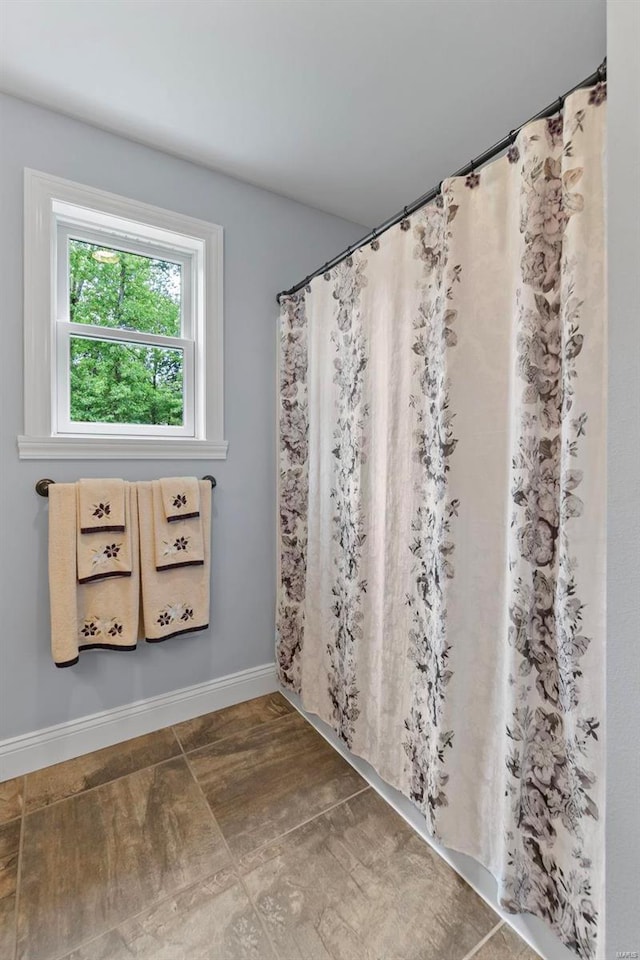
598	76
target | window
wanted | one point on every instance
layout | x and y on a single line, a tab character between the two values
123	328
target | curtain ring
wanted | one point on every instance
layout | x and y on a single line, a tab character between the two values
375	243
513	154
405	222
349	258
327	275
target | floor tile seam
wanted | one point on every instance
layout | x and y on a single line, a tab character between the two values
177	739
5	823
19	867
306	822
481	943
81	793
234	863
151	905
171	727
240	733
321	813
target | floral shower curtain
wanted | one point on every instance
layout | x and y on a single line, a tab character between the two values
442	491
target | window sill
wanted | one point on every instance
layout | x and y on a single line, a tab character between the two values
120	448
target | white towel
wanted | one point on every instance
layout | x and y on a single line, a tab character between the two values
174	601
180	498
103	614
101	505
176	544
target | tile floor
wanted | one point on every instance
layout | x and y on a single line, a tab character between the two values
241	835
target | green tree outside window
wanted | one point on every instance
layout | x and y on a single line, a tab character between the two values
116	382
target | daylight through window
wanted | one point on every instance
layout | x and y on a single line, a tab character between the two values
136	330
122	382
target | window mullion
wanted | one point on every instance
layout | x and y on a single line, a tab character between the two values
97	332
63	379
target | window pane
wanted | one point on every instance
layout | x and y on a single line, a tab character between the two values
115	382
112	288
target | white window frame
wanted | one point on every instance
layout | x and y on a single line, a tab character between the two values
57	209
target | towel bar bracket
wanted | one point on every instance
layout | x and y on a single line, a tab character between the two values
42	486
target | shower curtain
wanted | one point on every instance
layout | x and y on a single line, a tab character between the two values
441	505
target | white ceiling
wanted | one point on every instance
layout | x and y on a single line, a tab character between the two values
352	106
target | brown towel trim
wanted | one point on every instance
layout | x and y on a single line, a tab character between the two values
106	646
184	563
116	529
96	646
67	663
104	576
178	633
183	516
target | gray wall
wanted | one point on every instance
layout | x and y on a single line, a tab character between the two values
270	243
623	603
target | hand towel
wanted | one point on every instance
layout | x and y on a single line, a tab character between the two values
176	544
174	601
101	505
103	614
102	555
180	497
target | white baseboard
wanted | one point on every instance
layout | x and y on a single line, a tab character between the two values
42	748
532	930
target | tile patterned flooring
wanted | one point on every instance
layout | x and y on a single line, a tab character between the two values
240	835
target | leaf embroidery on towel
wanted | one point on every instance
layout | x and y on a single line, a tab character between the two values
179	501
109	551
95	627
102	510
174	612
178	545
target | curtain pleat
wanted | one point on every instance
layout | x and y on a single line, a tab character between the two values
441	496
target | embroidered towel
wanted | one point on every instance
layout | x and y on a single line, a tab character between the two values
103	614
176	544
101	555
180	497
174	601
101	506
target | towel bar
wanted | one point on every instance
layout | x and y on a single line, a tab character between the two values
42	486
